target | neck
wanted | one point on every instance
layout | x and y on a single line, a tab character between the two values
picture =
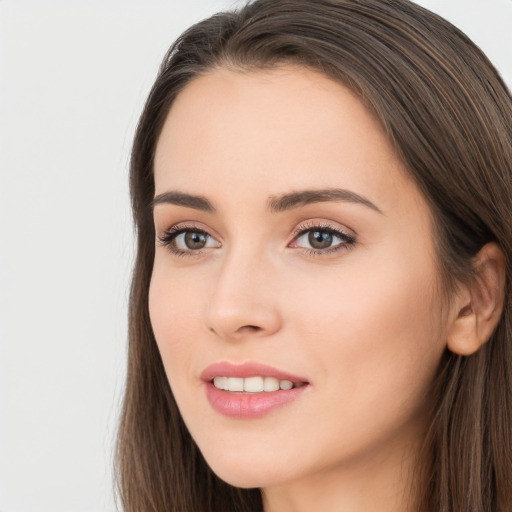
382	480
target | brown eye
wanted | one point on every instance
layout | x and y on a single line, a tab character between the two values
195	240
320	239
188	241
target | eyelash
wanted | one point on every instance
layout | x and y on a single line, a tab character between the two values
347	241
169	237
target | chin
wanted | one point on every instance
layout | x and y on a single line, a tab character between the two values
245	479
246	473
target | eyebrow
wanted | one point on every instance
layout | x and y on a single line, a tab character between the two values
275	204
186	200
305	197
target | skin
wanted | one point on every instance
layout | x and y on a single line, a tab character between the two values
364	324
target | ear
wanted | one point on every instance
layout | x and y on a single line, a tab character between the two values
478	306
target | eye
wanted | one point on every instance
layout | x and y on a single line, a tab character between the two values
184	240
321	239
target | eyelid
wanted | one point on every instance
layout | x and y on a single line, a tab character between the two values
348	236
169	235
322	224
189	226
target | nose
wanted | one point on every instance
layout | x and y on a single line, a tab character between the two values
242	304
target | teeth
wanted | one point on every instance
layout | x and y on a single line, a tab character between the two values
285	384
270	384
251	384
235	384
220	382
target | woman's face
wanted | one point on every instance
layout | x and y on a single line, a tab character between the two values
291	247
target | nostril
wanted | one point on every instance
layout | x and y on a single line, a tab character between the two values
230	317
249	328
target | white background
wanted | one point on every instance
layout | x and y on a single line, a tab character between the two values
73	77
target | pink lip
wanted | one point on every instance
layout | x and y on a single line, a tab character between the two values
248	405
224	369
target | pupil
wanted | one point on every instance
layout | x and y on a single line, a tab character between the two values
195	240
320	239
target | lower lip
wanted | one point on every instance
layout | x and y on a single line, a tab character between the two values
249	405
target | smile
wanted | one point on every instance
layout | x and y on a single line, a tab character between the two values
250	390
253	384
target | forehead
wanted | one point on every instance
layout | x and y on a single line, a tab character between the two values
260	133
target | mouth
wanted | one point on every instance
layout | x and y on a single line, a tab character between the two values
250	390
257	384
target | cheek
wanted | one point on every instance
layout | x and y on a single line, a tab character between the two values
173	310
367	333
376	331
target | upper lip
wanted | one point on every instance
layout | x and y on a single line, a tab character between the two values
248	369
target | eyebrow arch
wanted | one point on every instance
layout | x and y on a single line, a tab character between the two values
186	200
297	199
275	204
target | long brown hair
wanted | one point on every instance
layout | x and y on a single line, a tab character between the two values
449	115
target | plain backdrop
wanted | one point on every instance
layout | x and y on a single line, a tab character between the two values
73	78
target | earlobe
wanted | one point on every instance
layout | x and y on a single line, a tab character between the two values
479	305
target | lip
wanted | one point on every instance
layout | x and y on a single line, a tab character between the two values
244	370
249	405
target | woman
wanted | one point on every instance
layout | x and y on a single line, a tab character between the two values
320	309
